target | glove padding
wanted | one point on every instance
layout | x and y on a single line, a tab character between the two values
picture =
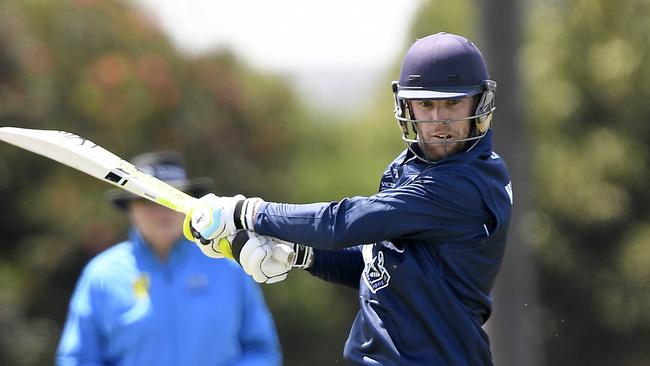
213	221
217	248
266	259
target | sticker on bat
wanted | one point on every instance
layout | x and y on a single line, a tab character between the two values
81	141
117	176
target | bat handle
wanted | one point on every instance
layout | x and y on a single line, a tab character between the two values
284	253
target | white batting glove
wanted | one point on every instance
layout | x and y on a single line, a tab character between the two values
216	248
266	259
213	219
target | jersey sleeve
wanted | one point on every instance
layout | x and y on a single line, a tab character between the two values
447	208
342	266
258	337
81	340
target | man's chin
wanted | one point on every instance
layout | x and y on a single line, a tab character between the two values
441	151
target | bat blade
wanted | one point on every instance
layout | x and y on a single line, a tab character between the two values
92	159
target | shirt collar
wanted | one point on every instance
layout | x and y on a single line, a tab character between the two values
179	250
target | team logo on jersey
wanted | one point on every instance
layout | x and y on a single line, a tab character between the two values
386	185
141	287
375	274
197	282
389	244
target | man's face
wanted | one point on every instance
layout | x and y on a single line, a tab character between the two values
160	226
435	134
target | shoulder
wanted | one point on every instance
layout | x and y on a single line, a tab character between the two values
112	263
451	185
455	176
116	254
492	177
485	178
494	165
488	167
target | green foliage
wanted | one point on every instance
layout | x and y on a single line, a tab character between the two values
99	69
359	149
460	17
588	72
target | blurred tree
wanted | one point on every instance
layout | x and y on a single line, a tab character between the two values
104	71
100	69
588	70
514	327
360	147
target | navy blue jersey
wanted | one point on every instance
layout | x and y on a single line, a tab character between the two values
423	252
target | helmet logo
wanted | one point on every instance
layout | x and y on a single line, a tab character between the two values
414	77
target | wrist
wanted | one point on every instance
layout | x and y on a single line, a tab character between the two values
245	212
304	256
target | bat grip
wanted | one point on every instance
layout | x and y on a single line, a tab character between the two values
284	253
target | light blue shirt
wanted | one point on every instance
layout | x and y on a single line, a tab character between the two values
130	308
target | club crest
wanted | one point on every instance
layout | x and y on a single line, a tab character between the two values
375	274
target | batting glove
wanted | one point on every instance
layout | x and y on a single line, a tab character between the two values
304	256
267	259
214	219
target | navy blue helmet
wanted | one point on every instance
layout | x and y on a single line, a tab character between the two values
443	66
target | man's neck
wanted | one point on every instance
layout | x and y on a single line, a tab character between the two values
161	248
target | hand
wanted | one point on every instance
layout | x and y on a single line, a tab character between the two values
266	259
217	248
214	218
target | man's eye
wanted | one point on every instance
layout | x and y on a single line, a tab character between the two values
425	103
453	101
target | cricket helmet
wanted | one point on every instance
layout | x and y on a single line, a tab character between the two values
443	66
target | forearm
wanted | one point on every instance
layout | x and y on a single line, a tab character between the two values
342	266
328	226
435	211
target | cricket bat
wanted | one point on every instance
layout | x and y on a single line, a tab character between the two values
92	159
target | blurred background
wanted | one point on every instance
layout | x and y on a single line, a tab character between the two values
291	102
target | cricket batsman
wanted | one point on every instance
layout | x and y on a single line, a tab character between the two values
425	250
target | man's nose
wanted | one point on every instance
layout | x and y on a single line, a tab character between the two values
437	112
